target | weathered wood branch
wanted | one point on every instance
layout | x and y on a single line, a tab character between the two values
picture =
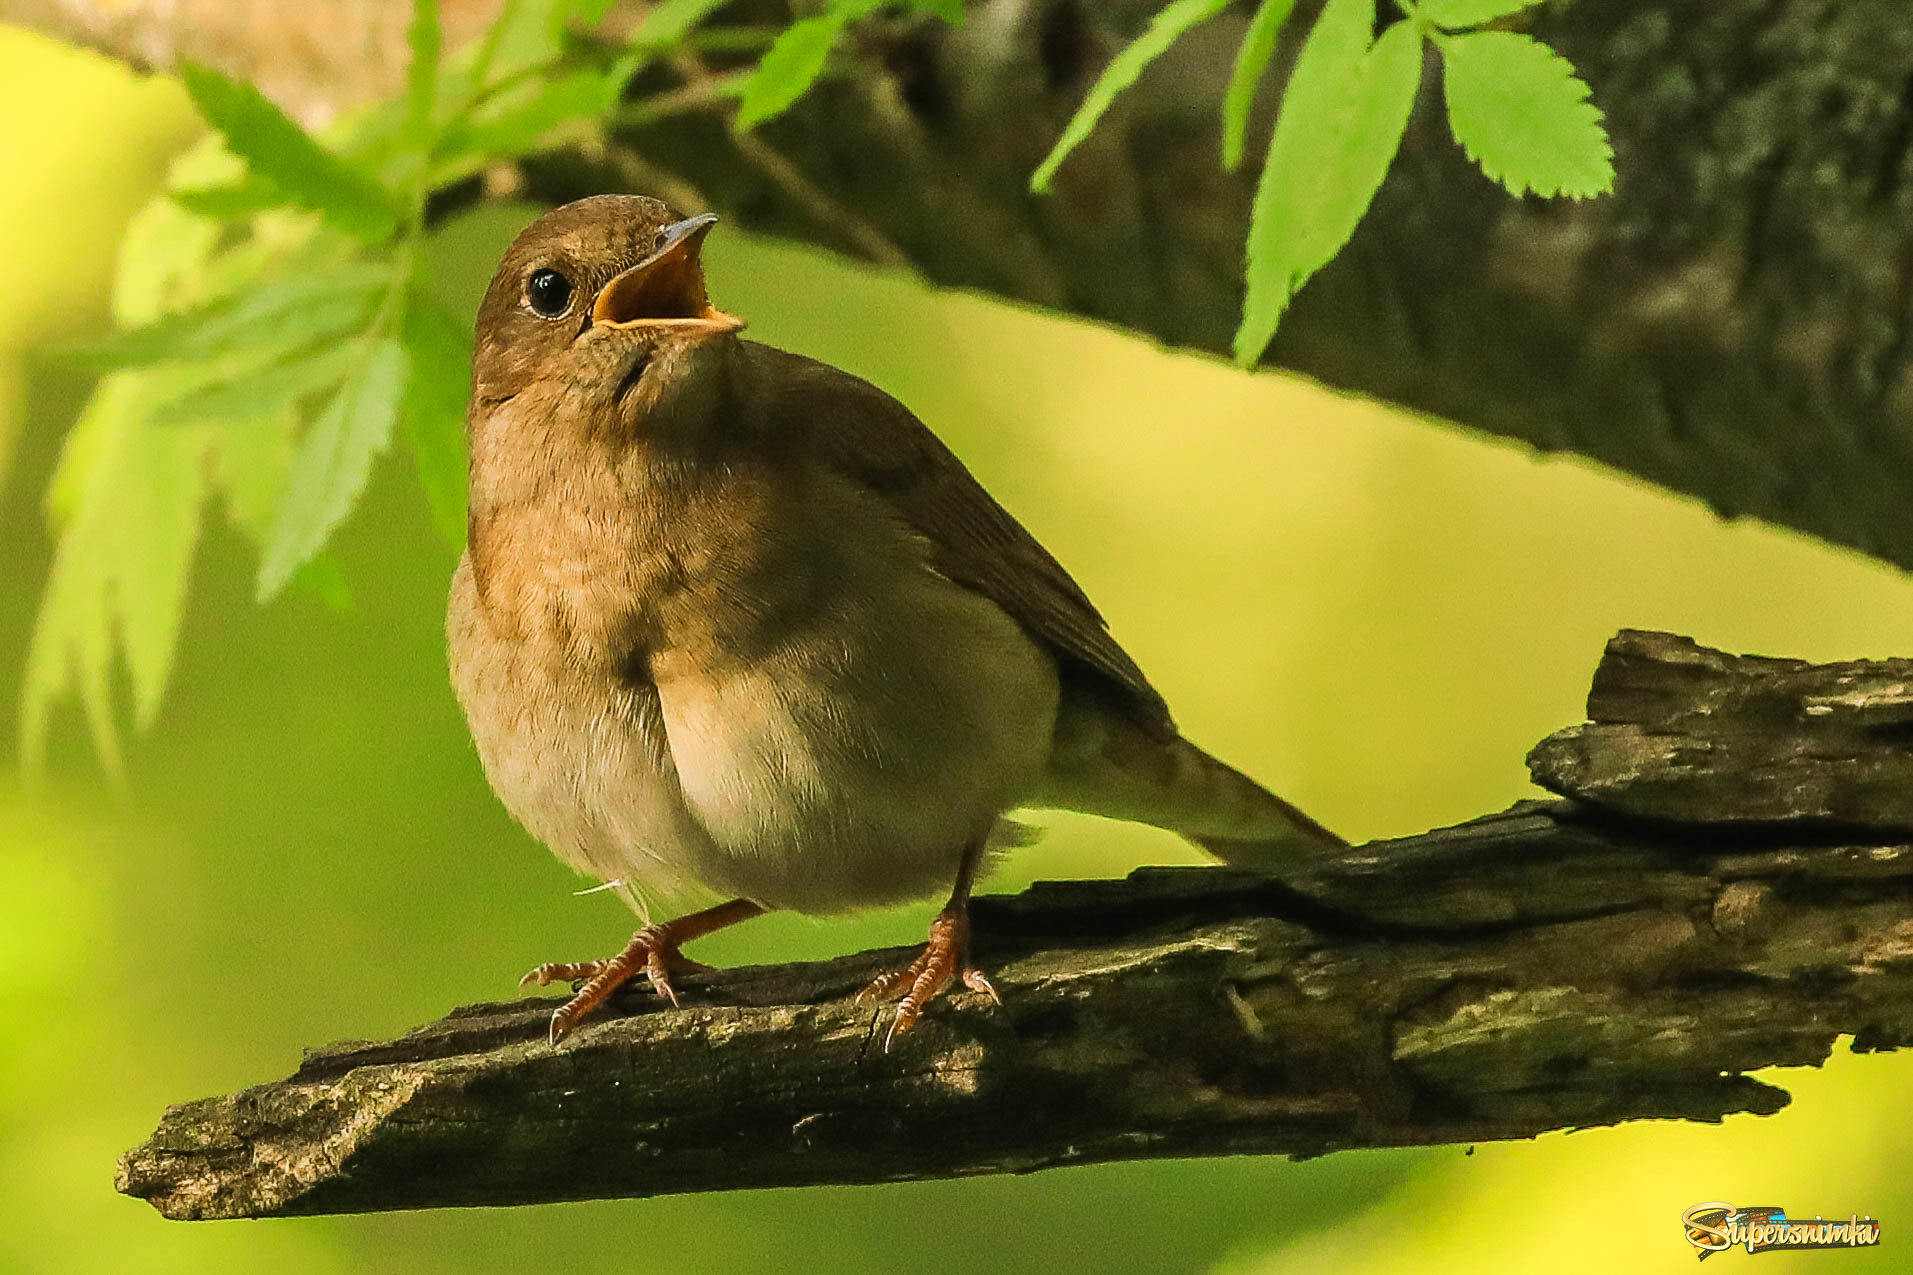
1732	323
1727	886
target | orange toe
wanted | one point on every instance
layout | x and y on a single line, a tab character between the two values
942	961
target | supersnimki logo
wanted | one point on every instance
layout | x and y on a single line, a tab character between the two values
1717	1226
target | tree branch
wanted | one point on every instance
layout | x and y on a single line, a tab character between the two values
1733	323
1629	952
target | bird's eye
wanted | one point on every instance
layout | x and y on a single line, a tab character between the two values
548	293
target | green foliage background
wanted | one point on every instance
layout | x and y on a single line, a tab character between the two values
1376	615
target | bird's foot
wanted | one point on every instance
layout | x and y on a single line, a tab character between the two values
943	960
652	951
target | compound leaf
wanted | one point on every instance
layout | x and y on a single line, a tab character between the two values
128	521
281	152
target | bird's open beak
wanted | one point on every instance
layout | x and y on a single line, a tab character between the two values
666	289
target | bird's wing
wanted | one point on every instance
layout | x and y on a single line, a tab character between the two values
860	431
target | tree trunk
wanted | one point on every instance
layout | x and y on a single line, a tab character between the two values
1732	323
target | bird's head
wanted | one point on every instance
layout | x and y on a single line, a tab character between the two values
601	302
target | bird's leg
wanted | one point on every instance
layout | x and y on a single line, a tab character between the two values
652	950
944	958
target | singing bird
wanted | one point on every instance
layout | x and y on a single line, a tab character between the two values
730	618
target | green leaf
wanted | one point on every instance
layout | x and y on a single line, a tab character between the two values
667	23
438	345
1164	29
525	33
1451	14
333	463
1342	120
1520	112
234	201
281	152
127	535
591	12
789	67
282	313
162	263
1251	61
250	459
426	38
261	391
513	126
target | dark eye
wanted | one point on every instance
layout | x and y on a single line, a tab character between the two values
549	293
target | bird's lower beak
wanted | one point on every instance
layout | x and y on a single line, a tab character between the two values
666	289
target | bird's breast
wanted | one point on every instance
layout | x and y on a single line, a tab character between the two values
828	721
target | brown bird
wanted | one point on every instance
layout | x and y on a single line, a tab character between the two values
733	619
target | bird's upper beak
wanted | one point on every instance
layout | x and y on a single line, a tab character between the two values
666	289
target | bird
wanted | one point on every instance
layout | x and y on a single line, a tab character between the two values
732	620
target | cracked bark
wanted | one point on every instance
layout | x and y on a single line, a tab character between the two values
1731	324
1677	919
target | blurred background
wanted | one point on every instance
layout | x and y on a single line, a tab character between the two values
1375	614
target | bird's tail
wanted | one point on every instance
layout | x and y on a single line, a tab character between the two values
1103	764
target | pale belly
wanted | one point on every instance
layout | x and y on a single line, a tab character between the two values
848	764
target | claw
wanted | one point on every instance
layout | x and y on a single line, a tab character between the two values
657	972
977	981
654	950
941	962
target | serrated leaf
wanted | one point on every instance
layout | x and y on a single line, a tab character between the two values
1518	109
1452	14
162	262
272	315
260	391
1342	120
1169	24
333	463
282	153
250	459
438	346
789	67
425	38
120	570
1251	62
667	23
164	386
514	126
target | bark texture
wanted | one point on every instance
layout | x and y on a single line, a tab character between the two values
1732	323
1629	951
